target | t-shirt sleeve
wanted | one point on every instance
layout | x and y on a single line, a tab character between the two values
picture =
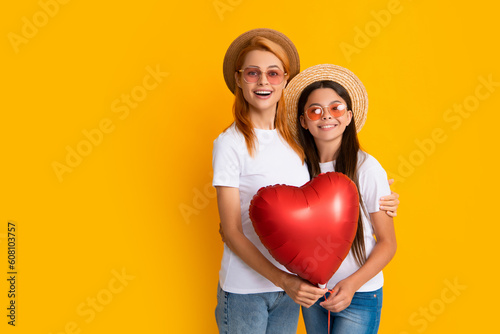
373	183
226	162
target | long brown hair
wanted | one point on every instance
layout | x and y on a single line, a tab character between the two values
241	108
347	159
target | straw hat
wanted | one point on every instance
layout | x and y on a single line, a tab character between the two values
338	74
242	41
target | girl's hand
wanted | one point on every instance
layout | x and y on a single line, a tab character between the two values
340	298
301	291
390	203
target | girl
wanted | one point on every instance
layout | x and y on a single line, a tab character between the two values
323	100
256	294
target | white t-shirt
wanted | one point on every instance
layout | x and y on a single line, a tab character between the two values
274	162
373	185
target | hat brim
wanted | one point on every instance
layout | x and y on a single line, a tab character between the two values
323	72
242	41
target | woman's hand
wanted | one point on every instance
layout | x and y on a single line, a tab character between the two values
301	291
340	298
390	203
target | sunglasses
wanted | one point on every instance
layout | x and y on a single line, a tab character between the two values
316	112
274	76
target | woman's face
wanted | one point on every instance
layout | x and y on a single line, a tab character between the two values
327	128
261	95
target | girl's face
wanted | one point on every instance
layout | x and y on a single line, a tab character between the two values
261	95
327	128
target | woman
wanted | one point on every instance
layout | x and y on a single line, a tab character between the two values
323	100
255	151
256	294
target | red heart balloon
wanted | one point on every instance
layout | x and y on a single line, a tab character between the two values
308	229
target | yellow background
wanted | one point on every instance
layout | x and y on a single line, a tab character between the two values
119	209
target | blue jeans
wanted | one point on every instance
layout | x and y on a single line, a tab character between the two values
361	317
256	313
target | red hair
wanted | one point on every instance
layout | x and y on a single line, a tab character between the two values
240	106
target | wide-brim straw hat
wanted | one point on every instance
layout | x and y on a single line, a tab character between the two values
242	41
323	72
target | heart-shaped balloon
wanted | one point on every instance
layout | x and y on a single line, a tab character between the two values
308	229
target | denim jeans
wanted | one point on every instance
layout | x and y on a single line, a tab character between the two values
361	317
256	313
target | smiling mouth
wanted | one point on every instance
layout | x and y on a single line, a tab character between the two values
262	92
328	126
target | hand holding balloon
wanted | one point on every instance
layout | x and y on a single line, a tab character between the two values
301	291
